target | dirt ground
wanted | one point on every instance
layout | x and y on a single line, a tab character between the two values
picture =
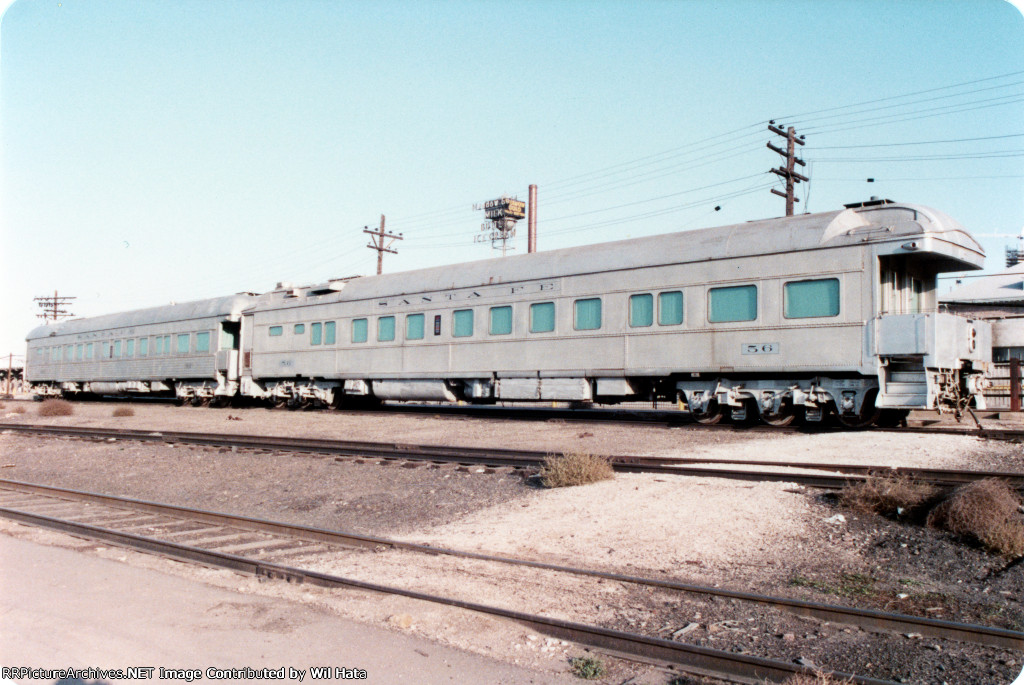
774	538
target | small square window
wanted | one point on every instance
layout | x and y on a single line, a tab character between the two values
300	328
203	341
670	308
414	327
807	299
143	347
385	329
736	303
359	330
316	334
542	317
117	348
587	314
462	323
273	330
501	320
641	310
129	348
183	343
329	332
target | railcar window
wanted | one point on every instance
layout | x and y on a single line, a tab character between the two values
806	299
916	295
69	352
501	320
203	341
414	327
316	334
129	348
462	323
78	352
159	345
587	314
329	332
735	303
542	317
143	347
437	324
276	331
359	330
88	350
117	348
641	310
670	308
385	328
183	342
300	328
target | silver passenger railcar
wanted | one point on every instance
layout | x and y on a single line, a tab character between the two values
189	350
807	315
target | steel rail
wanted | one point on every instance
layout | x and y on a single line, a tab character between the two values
864	618
701	660
839	476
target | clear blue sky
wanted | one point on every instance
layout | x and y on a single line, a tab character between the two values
162	150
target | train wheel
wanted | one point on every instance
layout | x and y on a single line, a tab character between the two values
712	415
785	416
220	401
869	413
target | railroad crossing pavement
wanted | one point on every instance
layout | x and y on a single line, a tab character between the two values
63	609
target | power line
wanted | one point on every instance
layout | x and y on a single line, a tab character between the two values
919	142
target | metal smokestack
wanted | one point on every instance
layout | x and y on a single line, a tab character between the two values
531	226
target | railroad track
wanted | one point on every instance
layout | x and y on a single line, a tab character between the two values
260	547
822	475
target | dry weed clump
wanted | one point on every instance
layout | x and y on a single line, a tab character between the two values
574	468
123	411
887	495
18	410
56	408
986	511
818	678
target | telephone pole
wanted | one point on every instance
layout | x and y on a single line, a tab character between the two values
788	172
53	307
377	243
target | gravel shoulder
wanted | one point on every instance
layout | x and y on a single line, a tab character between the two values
775	538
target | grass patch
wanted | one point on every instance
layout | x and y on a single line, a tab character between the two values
56	408
123	411
18	410
574	468
849	585
985	512
888	495
587	667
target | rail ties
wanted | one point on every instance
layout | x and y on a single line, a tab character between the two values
831	476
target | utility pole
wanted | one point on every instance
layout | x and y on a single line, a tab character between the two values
788	172
53	307
377	243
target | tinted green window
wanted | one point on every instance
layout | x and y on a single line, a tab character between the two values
78	351
88	350
143	347
542	317
359	330
501	320
670	308
117	348
227	339
414	327
300	328
203	341
69	352
129	348
329	330
385	328
274	331
316	334
805	299
462	323
738	303
587	315
183	342
159	348
641	310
